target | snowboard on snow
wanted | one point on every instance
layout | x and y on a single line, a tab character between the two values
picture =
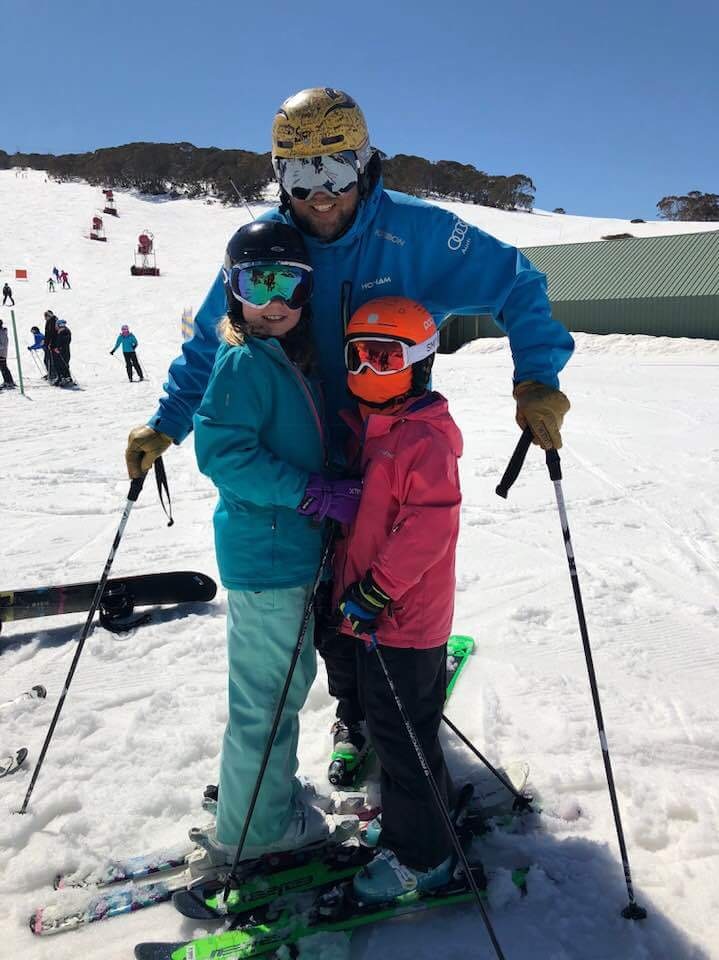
119	599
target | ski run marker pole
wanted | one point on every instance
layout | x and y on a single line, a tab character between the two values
17	352
133	494
632	911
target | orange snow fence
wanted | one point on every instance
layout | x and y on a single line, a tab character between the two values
20	273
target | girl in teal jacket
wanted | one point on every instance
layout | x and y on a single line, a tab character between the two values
128	342
259	437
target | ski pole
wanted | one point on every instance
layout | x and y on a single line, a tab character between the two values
522	801
632	911
441	805
133	494
17	352
232	876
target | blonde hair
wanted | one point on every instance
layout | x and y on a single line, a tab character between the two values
230	332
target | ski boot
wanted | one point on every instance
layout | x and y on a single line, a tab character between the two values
350	745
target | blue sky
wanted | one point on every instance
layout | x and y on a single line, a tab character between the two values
606	106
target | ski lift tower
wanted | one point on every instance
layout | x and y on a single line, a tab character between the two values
110	207
145	264
97	231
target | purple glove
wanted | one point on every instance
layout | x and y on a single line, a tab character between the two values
338	499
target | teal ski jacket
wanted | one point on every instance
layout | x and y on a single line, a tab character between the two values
396	246
258	436
128	341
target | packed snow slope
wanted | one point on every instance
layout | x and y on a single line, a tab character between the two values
140	734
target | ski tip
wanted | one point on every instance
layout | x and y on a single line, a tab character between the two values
157	951
35	922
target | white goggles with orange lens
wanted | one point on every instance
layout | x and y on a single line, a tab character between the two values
385	355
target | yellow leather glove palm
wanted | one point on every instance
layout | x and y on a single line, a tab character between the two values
144	446
542	409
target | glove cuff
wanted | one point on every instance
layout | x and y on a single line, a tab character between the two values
371	594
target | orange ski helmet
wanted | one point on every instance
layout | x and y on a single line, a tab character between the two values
390	344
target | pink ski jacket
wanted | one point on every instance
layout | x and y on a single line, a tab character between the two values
407	525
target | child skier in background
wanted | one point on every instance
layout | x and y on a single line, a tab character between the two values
129	345
394	581
260	439
39	339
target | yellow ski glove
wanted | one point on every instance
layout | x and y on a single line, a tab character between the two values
542	409
144	446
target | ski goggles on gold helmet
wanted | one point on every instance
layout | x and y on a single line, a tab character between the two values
384	355
303	177
258	283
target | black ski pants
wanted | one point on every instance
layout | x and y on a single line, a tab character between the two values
6	375
338	653
61	365
8	296
411	823
131	362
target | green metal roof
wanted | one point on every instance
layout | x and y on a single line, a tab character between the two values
681	265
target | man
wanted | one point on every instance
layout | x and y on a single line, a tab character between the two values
366	242
6	375
50	344
7	295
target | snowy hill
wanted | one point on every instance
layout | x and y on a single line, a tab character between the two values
140	734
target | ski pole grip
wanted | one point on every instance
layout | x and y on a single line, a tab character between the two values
554	464
515	464
135	488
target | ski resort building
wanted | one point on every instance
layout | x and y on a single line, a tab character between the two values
662	286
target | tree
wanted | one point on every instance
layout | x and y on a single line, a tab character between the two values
694	205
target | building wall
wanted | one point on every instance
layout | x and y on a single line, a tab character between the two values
665	317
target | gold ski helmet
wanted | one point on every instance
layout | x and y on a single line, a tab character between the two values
317	122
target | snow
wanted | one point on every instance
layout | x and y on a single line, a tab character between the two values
140	733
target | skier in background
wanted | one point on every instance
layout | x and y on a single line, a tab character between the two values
8	381
394	581
49	343
128	341
39	339
358	235
50	285
56	274
259	437
65	280
61	354
7	295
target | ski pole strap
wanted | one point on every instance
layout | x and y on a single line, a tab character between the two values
515	464
162	489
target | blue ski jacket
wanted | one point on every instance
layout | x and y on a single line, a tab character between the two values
39	342
258	436
397	245
128	341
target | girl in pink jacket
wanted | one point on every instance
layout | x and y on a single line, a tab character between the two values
395	580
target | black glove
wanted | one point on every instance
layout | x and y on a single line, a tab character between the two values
112	353
363	603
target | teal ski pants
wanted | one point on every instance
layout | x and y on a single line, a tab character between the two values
262	630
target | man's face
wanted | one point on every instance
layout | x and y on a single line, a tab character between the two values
324	215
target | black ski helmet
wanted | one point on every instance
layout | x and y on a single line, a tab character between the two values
262	240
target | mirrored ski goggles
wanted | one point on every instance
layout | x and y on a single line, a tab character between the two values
303	177
384	355
256	284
